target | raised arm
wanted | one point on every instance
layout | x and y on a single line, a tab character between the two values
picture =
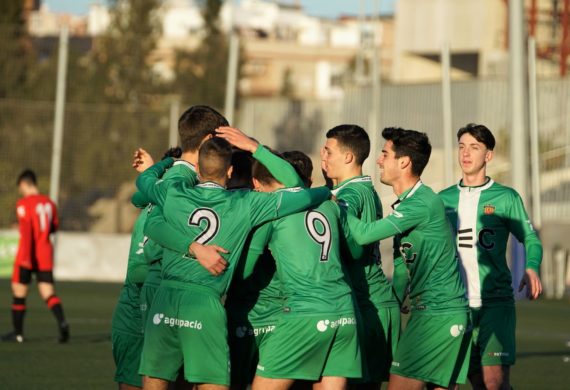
279	168
149	184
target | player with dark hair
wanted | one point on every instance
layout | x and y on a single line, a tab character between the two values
434	346
38	220
345	150
314	337
483	213
188	321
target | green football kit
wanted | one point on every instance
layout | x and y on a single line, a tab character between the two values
482	218
181	171
316	334
130	314
126	324
187	321
434	346
378	309
253	304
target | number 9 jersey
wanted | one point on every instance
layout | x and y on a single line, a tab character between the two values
37	219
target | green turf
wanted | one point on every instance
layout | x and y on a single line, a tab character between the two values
543	332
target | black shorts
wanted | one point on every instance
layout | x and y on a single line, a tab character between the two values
24	275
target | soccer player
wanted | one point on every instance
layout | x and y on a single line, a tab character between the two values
345	150
433	348
196	125
315	337
127	323
254	304
482	214
187	323
37	219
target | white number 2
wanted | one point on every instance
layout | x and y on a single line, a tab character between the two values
320	234
212	226
45	214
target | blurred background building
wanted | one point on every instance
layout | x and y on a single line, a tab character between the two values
134	65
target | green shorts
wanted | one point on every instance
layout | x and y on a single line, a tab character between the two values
434	348
186	326
311	347
244	340
378	335
127	350
493	341
148	291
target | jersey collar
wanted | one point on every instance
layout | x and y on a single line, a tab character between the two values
480	188
210	185
185	163
356	179
407	194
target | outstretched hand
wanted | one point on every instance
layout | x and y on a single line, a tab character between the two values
142	160
209	257
237	138
533	284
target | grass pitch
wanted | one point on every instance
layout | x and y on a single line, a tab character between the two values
543	341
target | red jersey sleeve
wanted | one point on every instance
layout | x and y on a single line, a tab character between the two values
25	223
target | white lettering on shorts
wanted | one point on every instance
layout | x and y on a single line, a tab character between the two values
456	330
323	325
263	330
159	318
498	354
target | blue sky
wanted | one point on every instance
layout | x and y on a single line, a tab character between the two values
323	8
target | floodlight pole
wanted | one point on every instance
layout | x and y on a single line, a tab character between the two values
55	176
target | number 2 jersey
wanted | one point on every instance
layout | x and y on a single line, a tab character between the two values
210	214
37	219
482	218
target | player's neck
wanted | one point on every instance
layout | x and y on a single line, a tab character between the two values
219	181
191	157
349	173
404	184
474	179
32	192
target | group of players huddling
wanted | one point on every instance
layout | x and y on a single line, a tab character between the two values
239	273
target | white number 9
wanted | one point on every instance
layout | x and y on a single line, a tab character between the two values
319	229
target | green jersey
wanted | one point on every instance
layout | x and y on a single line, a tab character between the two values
137	266
482	218
426	245
260	295
306	250
209	214
362	263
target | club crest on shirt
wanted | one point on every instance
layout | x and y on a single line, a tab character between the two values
489	209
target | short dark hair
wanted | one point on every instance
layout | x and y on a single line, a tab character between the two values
196	123
354	138
410	143
260	171
175	152
302	164
480	132
27	176
241	174
215	158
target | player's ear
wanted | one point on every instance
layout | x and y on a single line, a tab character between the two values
256	184
348	157
230	171
489	156
405	162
